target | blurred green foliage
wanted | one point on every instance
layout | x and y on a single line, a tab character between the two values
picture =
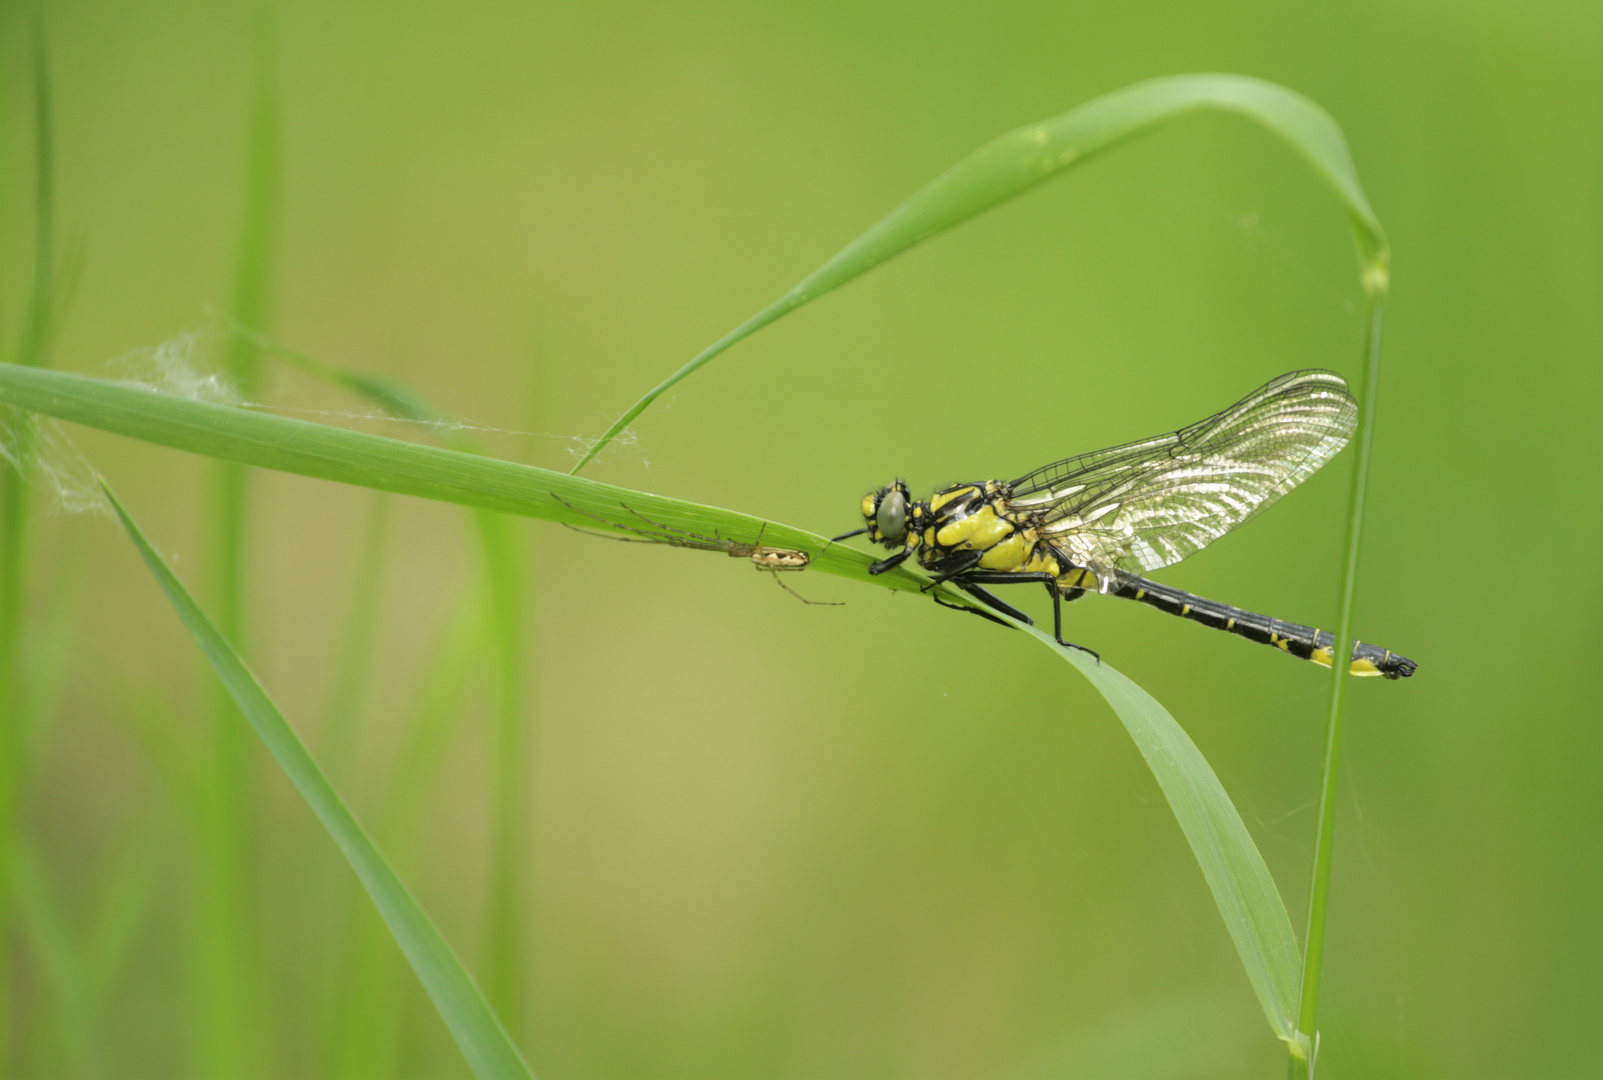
882	839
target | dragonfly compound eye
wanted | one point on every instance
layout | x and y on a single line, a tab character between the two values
890	517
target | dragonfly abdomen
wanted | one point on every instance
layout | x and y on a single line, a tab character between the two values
1303	642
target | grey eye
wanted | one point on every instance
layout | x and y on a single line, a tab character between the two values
891	516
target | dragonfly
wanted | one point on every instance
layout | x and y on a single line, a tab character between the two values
775	560
1099	521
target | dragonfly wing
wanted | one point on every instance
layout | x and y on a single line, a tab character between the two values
1149	504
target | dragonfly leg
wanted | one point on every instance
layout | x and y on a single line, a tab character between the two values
985	598
954	567
1007	577
972	611
992	601
891	563
1057	620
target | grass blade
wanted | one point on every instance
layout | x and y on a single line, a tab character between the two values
355	457
1324	838
392	397
33	350
364	1039
347	697
258	226
479	1034
126	897
503	564
225	1041
33	342
511	736
1021	159
1231	863
65	979
324	893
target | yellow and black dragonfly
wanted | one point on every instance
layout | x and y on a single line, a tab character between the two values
1098	521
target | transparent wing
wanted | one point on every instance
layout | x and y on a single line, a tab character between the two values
1149	504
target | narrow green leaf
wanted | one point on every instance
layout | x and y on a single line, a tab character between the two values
353	660
1235	871
32	349
256	253
329	899
233	1013
1021	159
479	1034
503	561
38	319
1302	1051
368	1010
387	395
355	457
511	740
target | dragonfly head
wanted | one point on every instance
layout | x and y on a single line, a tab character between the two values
886	512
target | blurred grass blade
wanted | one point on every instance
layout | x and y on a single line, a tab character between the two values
251	291
127	895
478	1032
226	1039
66	981
38	318
324	893
1021	159
503	565
33	350
1235	871
356	457
367	1013
510	746
353	664
389	396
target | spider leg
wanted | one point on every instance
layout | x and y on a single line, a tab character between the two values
644	536
799	596
718	540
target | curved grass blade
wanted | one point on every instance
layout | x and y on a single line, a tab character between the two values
356	457
1231	863
479	1034
504	566
1021	159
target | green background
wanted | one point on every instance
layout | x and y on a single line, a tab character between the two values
876	840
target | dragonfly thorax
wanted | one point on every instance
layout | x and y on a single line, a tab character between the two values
967	528
969	520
